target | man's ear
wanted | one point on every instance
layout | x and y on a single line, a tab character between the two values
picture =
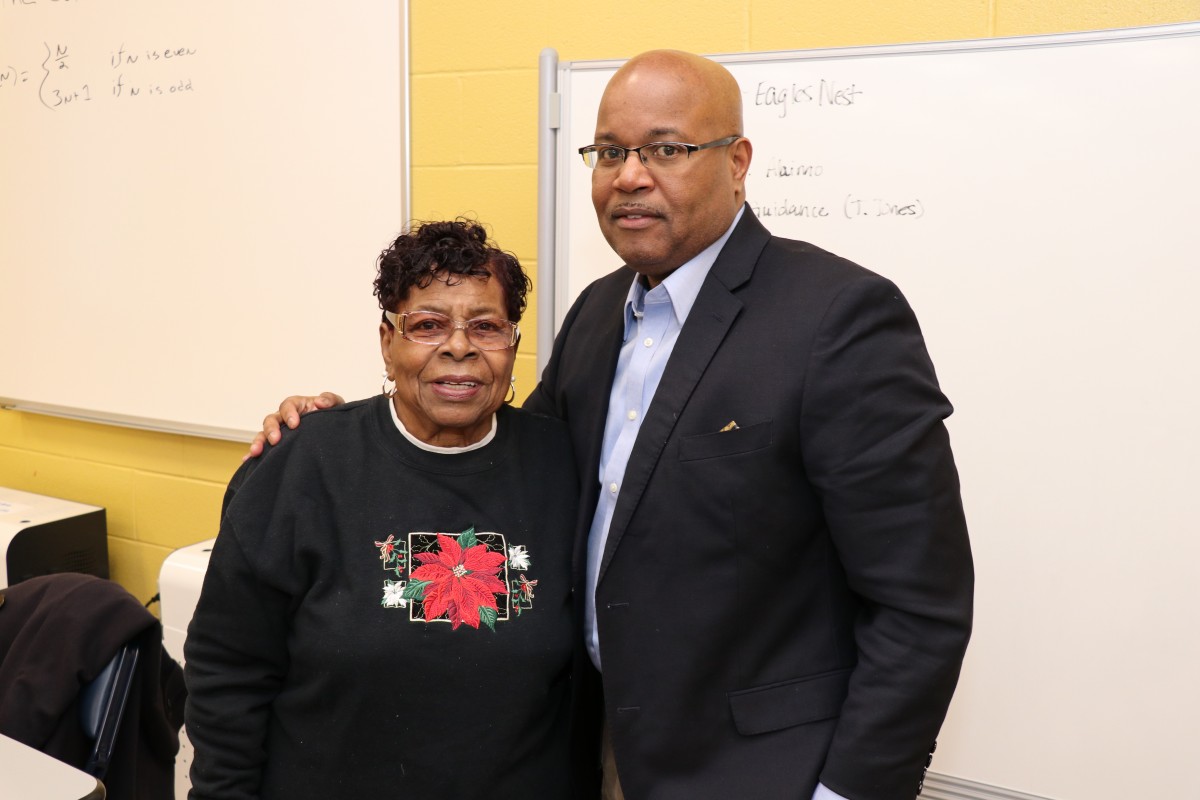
741	152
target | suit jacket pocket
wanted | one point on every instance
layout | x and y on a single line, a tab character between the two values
782	705
725	443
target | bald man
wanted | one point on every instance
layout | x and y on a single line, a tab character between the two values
775	567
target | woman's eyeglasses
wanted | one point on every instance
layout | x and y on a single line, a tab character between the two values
432	328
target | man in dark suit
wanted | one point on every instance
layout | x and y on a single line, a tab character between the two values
777	577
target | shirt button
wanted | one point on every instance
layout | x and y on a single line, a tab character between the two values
647	341
612	487
632	413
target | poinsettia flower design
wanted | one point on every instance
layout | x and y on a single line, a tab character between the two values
393	594
462	581
518	557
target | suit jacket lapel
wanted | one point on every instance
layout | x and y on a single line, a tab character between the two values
707	324
605	350
588	414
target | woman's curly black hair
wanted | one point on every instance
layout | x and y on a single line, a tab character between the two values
448	251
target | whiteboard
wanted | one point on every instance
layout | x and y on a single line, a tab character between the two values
192	196
1037	201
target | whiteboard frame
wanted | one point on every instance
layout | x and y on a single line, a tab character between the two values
184	427
554	149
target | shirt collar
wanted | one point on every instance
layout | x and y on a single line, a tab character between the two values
433	448
682	286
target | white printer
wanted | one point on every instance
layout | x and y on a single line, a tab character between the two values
179	583
40	535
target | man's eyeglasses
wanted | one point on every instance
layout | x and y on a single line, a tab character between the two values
432	328
657	154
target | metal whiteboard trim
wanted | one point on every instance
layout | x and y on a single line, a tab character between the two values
405	113
948	787
548	124
126	420
933	48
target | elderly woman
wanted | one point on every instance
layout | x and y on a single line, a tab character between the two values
386	611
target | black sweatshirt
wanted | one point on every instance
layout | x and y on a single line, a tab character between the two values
312	669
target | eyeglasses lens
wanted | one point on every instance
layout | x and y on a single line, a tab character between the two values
486	333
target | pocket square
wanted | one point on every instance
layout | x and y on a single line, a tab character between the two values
732	426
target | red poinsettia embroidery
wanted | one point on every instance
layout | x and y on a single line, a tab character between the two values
460	581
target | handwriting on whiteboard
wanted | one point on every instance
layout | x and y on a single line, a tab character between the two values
792	188
6	3
823	93
59	81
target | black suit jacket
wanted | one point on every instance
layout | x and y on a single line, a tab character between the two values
790	600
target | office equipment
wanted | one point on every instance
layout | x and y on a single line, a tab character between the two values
1035	200
204	177
41	535
179	584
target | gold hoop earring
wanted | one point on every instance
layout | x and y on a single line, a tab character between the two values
512	390
384	387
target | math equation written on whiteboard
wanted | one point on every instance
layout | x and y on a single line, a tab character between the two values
62	81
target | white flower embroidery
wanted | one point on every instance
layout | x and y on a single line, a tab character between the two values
518	557
393	594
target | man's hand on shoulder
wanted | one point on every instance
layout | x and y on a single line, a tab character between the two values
289	413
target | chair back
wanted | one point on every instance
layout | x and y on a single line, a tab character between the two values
102	705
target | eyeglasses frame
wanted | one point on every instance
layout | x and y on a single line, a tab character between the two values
625	151
398	322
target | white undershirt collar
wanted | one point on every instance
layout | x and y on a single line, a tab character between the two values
433	448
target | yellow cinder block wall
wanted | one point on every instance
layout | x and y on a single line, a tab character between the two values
474	151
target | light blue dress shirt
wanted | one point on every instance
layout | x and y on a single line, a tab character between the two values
653	319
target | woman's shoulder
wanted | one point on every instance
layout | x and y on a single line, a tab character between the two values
331	424
330	430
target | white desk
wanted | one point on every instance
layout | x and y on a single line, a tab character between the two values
28	774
